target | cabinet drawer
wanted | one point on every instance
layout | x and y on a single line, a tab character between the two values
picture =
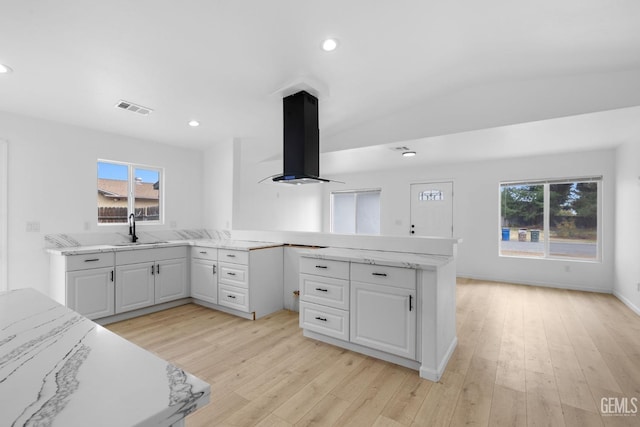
87	261
232	297
324	320
325	290
234	274
201	252
236	257
325	267
382	275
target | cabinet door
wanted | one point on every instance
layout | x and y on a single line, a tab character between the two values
204	280
91	292
384	318
171	280
134	286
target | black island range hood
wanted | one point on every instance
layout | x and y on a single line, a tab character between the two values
301	148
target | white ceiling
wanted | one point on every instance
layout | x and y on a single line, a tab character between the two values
403	71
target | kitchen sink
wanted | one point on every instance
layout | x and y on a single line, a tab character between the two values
139	243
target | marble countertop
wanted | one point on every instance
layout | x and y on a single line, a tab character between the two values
58	368
241	245
392	259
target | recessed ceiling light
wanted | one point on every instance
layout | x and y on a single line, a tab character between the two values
194	123
5	69
329	45
409	153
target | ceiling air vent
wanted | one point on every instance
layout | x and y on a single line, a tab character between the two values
400	148
135	108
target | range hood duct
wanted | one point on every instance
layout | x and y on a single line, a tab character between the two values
301	147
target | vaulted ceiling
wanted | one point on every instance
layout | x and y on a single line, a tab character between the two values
402	70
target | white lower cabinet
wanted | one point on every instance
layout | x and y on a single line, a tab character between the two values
204	280
145	277
384	318
372	306
135	286
91	292
171	280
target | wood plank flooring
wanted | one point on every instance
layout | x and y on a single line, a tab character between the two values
527	356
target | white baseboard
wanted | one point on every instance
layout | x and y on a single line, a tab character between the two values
627	302
435	376
534	283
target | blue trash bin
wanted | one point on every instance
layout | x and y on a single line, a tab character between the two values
506	232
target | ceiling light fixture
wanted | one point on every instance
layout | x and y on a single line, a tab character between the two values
329	45
5	69
408	153
194	123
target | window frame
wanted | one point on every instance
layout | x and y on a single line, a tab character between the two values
355	194
131	179
546	183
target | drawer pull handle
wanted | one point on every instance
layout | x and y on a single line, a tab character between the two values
322	290
231	274
158	269
321	266
410	301
153	269
214	269
92	260
112	275
380	274
231	255
232	296
203	252
324	319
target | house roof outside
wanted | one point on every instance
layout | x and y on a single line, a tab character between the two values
117	189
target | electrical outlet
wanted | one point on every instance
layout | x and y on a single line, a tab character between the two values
567	268
33	226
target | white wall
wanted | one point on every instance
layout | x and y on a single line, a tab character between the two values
217	184
627	248
52	180
476	214
270	206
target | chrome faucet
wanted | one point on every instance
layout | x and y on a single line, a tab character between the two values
132	228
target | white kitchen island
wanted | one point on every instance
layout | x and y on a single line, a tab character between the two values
395	306
58	368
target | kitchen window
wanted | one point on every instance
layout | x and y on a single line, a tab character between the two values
551	219
355	212
126	188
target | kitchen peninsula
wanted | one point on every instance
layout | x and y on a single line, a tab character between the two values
58	368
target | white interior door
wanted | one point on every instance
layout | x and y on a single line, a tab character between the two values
432	209
4	176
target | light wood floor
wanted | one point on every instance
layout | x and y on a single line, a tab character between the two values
526	356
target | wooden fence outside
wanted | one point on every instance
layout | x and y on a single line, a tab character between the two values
108	215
